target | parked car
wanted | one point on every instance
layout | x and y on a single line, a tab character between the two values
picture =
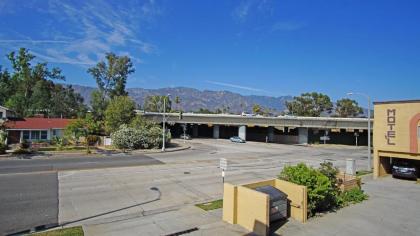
404	169
185	136
237	139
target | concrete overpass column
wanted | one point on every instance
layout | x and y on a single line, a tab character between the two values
195	130
303	135
216	131
270	134
242	132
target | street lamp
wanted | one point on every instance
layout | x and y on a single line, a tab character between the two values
369	126
164	121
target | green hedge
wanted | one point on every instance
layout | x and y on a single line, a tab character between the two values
323	192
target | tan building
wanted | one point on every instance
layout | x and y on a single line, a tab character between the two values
396	134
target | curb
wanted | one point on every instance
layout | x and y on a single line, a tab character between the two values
160	151
94	153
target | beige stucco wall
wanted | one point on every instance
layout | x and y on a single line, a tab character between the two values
253	210
244	206
395	132
297	195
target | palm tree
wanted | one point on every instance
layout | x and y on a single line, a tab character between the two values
154	103
177	102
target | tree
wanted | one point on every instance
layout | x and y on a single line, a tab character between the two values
121	110
348	108
65	102
98	105
30	89
155	103
111	76
256	109
309	104
86	128
6	88
177	102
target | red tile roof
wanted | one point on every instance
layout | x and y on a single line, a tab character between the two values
38	123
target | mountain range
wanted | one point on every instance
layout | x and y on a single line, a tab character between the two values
194	99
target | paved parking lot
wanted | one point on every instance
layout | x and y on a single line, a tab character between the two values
188	177
120	200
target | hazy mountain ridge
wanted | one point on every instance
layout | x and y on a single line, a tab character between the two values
194	99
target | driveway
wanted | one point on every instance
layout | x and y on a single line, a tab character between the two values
392	209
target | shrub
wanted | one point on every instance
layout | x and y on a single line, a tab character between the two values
321	191
22	151
327	169
24	144
144	137
3	148
126	138
58	142
352	196
92	139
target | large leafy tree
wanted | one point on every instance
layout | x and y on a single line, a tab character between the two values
30	89
310	104
111	75
121	110
155	103
98	105
348	108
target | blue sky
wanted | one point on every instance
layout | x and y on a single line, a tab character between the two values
257	47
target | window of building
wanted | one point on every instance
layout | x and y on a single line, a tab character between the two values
25	135
44	134
35	135
1	114
57	133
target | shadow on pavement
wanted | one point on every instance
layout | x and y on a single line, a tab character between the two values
117	210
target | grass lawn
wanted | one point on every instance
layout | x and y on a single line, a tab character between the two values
208	206
363	172
73	231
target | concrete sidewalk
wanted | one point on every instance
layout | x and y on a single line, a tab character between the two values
189	218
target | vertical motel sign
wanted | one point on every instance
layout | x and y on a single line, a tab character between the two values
390	121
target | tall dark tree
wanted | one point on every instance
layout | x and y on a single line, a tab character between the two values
30	89
310	104
348	108
6	87
111	75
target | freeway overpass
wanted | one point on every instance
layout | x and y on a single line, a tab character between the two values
284	129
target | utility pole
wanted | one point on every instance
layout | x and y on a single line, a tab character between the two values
164	121
369	128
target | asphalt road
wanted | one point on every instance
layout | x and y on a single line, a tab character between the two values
28	201
74	163
29	187
187	177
